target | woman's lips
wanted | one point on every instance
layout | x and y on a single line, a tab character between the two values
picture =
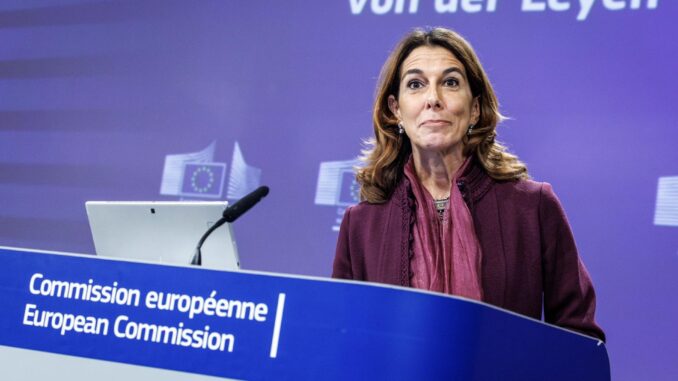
434	123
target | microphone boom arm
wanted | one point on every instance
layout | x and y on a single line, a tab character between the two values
230	215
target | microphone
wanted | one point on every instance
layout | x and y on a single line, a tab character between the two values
244	204
231	214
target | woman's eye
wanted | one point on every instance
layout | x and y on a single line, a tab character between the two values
414	85
452	82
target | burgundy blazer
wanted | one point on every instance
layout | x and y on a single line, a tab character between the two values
528	251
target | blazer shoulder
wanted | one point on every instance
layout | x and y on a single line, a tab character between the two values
366	209
523	188
528	194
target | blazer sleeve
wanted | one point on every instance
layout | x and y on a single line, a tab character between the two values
342	258
569	298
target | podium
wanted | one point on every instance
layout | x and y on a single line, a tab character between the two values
145	321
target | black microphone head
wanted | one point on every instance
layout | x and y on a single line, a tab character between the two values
262	191
244	204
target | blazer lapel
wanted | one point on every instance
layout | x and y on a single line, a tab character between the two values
394	264
488	227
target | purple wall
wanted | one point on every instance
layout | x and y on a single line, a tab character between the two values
94	96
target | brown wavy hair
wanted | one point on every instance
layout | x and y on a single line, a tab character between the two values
388	151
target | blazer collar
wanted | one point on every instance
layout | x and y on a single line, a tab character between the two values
474	182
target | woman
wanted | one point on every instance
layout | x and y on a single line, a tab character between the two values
445	207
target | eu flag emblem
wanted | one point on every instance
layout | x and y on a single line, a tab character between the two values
203	180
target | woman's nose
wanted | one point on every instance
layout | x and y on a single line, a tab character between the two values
433	98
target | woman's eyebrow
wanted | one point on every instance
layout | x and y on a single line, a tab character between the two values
412	71
453	69
449	70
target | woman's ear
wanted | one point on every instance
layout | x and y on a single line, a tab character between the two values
393	106
475	110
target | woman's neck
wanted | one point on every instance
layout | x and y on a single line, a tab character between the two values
436	170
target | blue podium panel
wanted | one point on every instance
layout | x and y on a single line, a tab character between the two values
264	326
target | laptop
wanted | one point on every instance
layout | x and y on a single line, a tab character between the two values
162	232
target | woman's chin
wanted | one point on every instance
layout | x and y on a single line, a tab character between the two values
438	145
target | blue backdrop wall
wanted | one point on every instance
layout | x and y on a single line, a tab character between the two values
169	100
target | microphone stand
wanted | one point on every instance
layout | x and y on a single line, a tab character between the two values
197	255
230	214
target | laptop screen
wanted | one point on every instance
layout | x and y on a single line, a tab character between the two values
162	232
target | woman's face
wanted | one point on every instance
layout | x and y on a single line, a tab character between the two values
435	106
